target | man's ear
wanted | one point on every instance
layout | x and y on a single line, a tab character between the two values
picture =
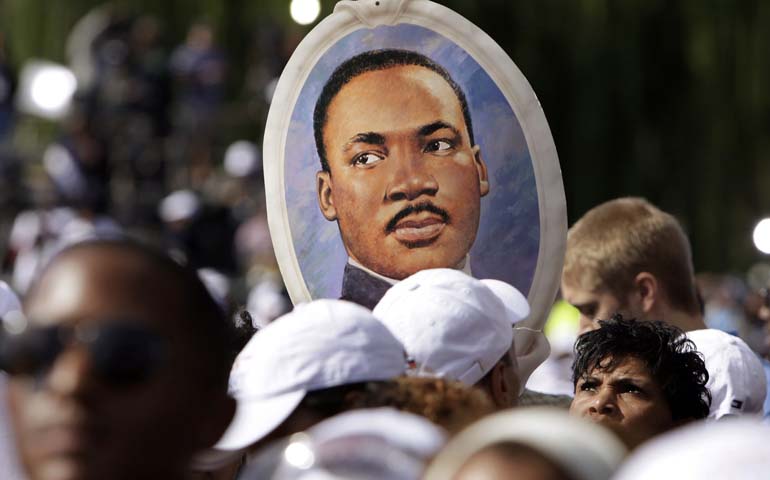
325	197
481	167
499	389
646	292
218	418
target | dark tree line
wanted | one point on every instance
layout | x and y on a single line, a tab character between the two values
667	99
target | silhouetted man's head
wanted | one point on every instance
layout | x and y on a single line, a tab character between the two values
121	371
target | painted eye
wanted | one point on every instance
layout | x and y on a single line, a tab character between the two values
438	146
367	160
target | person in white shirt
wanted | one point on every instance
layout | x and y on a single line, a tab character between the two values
627	256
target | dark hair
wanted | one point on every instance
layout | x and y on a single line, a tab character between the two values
370	61
332	401
205	322
670	357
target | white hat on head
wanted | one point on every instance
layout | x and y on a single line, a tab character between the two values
737	380
737	449
585	451
515	302
321	344
404	430
451	324
380	443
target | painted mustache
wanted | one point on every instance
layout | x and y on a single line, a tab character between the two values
414	209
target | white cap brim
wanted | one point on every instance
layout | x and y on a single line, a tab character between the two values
255	419
402	430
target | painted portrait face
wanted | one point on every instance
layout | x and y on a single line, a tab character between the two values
404	180
626	399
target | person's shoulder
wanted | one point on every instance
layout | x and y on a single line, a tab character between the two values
716	343
736	376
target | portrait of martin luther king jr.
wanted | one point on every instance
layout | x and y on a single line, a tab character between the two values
400	171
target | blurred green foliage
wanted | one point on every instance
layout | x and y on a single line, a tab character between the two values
660	98
666	99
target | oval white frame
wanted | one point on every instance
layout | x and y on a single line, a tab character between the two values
351	15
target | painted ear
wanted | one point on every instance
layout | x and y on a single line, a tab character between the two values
647	291
481	168
325	197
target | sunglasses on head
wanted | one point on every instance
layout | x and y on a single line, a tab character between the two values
122	353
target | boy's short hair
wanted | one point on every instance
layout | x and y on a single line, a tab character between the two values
621	238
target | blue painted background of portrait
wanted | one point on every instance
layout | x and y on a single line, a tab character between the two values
508	239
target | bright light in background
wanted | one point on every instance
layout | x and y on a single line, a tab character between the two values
762	236
242	158
299	455
46	89
305	12
52	88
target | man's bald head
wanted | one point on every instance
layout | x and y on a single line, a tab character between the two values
147	275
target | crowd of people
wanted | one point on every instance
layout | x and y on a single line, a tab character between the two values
122	364
157	143
157	341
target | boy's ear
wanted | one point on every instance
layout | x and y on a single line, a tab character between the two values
646	292
499	389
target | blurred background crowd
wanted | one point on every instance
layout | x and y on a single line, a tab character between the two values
148	131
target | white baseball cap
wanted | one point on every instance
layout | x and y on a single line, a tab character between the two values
452	325
380	443
404	430
516	305
737	380
585	451
321	344
737	449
